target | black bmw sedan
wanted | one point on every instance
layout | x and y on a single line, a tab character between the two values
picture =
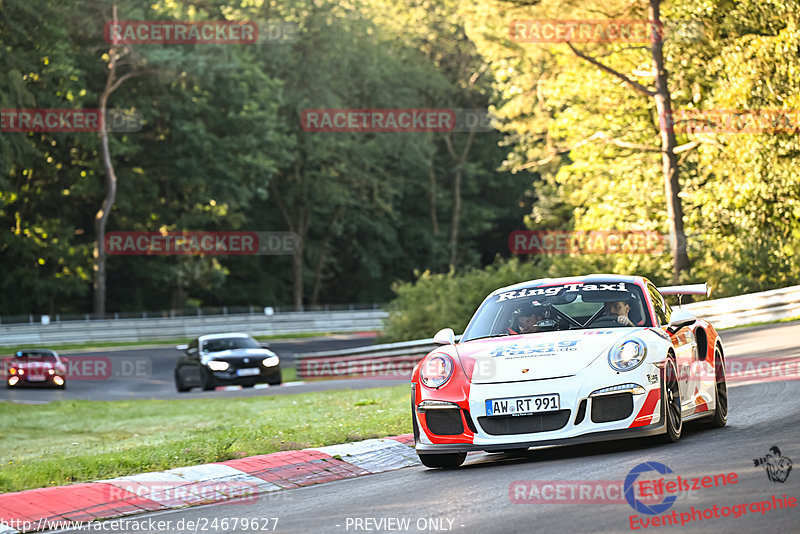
223	360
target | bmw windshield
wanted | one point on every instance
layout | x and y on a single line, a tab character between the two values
229	343
559	307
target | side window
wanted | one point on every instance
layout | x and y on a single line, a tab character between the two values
661	308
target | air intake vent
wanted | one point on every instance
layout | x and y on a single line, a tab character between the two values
612	407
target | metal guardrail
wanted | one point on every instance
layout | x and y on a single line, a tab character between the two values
765	306
394	358
154	329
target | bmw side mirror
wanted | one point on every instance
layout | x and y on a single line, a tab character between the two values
445	336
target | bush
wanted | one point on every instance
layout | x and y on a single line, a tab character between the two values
436	301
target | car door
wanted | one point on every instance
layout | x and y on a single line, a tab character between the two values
684	344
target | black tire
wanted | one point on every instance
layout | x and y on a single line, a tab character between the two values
179	384
720	418
672	403
207	380
277	382
444	461
247	385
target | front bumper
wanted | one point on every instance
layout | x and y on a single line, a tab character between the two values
230	378
581	418
592	437
24	381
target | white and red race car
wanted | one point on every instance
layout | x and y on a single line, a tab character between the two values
565	361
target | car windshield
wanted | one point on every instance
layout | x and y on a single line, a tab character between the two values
229	343
559	307
35	356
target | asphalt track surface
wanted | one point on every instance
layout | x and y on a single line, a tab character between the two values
476	498
109	375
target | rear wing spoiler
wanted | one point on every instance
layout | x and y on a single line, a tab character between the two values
692	289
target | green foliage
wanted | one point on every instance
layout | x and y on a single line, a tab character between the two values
222	148
439	300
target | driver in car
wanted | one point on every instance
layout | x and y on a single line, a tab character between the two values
527	320
619	311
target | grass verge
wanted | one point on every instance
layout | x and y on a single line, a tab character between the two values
78	441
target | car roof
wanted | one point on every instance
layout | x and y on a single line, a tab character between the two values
589	278
222	336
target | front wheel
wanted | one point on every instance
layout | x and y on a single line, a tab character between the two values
720	418
208	380
445	461
672	403
179	384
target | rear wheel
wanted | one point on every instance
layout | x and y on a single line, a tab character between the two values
445	461
672	403
720	418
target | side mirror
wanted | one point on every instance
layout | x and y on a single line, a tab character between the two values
445	336
264	345
182	347
681	318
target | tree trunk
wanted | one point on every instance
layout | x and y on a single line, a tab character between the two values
321	257
300	228
434	218
672	186
115	53
459	160
297	275
101	219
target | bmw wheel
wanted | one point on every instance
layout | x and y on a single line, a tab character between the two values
207	380
179	384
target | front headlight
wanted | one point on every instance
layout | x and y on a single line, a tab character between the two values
272	361
627	355
436	370
216	365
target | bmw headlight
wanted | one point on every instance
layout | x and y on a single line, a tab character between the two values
627	354
436	370
216	365
272	361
